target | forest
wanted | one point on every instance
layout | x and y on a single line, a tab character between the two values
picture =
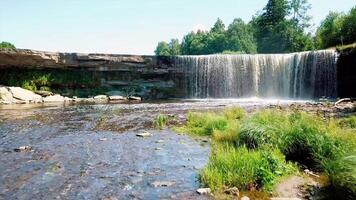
283	26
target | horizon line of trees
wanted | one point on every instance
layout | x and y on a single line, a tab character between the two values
283	26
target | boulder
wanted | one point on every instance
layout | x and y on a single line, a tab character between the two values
54	98
134	98
6	96
25	95
245	198
101	98
117	98
44	93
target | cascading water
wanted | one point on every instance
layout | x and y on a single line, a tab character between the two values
297	75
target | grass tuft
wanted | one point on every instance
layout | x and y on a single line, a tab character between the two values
160	121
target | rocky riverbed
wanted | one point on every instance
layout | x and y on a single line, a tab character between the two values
110	151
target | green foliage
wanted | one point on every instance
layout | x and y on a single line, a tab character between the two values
243	168
171	49
7	45
254	150
240	37
160	121
336	29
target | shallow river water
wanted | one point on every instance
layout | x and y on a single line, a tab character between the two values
92	151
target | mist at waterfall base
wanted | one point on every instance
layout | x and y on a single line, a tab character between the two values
303	75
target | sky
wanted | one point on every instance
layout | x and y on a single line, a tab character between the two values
124	26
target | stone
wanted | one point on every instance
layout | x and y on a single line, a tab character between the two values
44	93
285	198
144	134
203	191
101	98
6	95
134	98
23	148
117	98
53	98
162	183
25	95
232	191
245	198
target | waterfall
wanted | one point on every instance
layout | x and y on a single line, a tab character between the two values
304	75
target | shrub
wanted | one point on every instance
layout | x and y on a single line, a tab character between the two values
234	113
160	121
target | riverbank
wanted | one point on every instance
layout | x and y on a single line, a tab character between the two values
113	150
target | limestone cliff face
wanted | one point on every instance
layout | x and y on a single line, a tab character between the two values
26	58
147	75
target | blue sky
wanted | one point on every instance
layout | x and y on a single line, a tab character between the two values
124	26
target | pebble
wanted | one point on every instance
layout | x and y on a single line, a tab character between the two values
203	191
144	134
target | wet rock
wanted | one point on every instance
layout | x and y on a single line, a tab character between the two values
162	183
232	191
23	148
144	134
117	98
307	171
25	95
134	98
203	191
54	98
159	141
245	198
103	139
44	93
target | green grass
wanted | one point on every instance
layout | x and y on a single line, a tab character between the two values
160	121
256	149
243	168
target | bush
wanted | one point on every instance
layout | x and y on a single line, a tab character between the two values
243	168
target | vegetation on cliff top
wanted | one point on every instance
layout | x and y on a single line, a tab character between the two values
282	26
256	151
7	45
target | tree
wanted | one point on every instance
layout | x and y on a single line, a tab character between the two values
277	33
240	37
216	40
174	47
195	43
162	49
7	45
348	27
299	9
329	32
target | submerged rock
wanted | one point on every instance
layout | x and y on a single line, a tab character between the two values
162	183
203	191
245	198
23	148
